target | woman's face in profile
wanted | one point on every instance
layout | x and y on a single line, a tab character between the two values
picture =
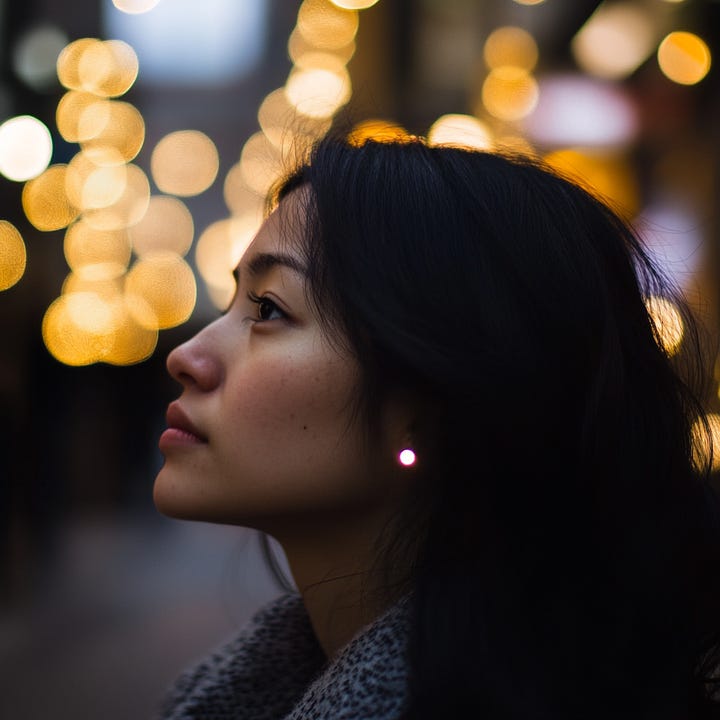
261	434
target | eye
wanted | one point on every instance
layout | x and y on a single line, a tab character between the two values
266	308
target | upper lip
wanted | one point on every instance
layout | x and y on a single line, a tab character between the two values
176	418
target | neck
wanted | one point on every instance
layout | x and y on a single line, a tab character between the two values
333	572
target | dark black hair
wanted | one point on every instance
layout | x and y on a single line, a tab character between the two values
560	540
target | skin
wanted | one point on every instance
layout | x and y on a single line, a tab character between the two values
274	445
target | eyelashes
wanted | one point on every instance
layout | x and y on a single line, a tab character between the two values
267	309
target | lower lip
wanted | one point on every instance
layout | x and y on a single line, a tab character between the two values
174	437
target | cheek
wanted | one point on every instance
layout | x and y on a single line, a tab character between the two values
293	400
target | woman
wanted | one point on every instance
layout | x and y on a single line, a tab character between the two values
438	387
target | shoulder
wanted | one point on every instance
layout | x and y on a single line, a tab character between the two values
262	671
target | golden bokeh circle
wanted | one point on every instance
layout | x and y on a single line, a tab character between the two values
325	25
457	130
510	45
184	163
684	57
45	200
298	47
261	164
239	198
166	286
68	62
13	255
166	225
318	92
107	69
131	342
510	93
128	209
96	254
90	185
81	115
123	132
667	321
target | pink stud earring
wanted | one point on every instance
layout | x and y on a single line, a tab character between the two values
407	457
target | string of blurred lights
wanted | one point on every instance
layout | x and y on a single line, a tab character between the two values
126	247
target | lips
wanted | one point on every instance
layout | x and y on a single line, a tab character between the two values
178	420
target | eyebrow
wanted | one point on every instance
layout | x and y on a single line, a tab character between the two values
262	263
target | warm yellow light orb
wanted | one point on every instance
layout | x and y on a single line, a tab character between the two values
166	225
122	132
108	68
354	4
299	47
510	93
239	198
667	321
529	2
131	342
45	200
91	186
13	255
261	164
318	93
25	148
81	115
325	25
135	7
130	206
218	252
609	175
166	285
68	62
77	328
706	446
379	131
511	46
460	131
184	163
96	254
684	58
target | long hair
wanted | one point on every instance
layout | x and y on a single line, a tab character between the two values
559	538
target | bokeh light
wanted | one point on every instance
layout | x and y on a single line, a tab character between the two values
45	200
90	186
96	254
299	47
609	175
35	55
166	225
406	457
668	322
378	130
217	253
354	4
684	58
135	7
706	446
325	25
283	125
578	110
77	328
131	342
615	41
13	255
184	163
511	46
165	285
123	131
239	198
509	93
25	148
318	93
460	131
68	62
130	206
529	2
107	69
261	164
81	115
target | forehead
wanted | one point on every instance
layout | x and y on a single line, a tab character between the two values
282	233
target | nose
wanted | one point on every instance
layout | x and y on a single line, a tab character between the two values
194	365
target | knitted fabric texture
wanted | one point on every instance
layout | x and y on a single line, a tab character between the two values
276	670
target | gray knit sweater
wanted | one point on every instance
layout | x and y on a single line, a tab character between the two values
276	670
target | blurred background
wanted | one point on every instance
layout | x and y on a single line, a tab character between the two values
138	140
